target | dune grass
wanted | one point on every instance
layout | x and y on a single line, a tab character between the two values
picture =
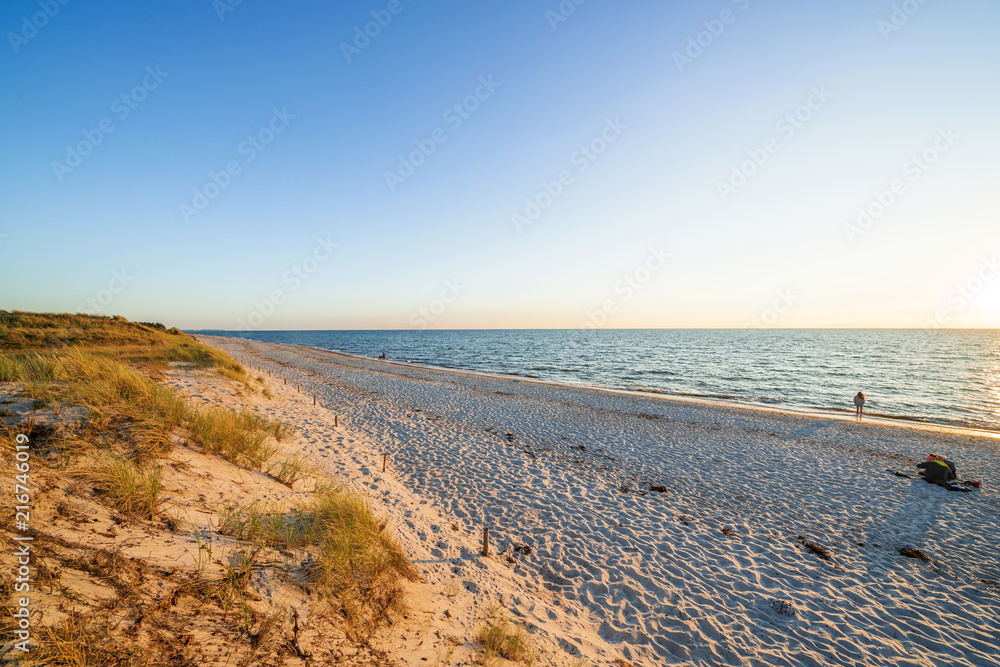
116	394
239	437
261	523
357	563
130	489
86	360
141	344
498	637
290	469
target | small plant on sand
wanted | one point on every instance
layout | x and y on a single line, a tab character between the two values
291	469
231	589
252	521
173	521
128	489
499	637
268	630
203	553
446	654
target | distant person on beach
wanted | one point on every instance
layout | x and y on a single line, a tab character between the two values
939	470
381	357
859	405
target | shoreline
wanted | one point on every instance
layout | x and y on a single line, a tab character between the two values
819	413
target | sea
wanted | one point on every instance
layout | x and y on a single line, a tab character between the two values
946	377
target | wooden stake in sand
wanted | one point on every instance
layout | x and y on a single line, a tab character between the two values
295	634
486	541
298	389
335	421
269	374
286	380
314	399
384	457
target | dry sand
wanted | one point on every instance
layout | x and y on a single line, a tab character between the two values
695	572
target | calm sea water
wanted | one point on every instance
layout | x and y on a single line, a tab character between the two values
943	376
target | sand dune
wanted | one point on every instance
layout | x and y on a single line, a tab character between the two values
669	531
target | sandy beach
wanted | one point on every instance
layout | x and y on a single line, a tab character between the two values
660	530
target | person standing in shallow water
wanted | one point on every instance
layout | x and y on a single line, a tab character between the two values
859	405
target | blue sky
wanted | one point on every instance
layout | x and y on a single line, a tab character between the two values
629	164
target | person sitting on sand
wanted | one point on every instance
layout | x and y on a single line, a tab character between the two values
940	470
859	405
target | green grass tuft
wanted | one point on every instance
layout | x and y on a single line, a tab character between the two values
499	637
357	563
240	437
291	469
129	489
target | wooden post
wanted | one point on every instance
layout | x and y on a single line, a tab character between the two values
335	421
384	456
298	388
269	374
486	541
286	380
314	399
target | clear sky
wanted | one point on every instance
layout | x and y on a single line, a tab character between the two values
517	164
